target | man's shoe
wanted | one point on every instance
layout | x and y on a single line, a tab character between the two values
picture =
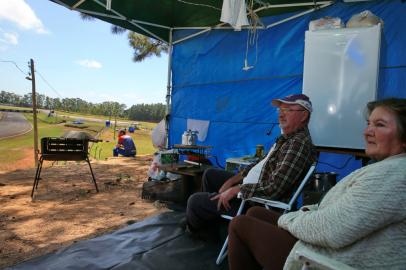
198	234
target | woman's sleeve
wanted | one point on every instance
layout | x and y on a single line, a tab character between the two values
368	205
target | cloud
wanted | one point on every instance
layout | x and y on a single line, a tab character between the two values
20	13
108	97
89	63
8	38
100	97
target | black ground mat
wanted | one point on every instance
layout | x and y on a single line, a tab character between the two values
155	243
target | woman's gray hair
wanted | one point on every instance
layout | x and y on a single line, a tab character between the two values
398	107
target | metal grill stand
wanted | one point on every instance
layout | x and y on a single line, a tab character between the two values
62	149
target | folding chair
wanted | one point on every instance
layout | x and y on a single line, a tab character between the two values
268	204
58	149
313	260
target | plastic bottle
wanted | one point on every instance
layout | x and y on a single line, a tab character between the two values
185	138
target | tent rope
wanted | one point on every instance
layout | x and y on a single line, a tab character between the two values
197	4
252	39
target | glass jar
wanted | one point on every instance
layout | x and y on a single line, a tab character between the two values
259	151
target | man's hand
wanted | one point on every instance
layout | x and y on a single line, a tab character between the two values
227	184
225	197
232	181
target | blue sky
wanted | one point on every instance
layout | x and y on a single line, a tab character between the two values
76	58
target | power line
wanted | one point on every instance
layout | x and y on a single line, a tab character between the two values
9	61
36	71
50	86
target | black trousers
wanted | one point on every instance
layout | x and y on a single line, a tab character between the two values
201	211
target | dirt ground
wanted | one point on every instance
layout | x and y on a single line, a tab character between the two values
66	207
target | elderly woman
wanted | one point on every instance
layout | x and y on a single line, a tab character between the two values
360	222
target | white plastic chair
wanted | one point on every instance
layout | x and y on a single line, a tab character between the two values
313	260
268	204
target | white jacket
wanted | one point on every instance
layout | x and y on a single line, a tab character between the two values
360	222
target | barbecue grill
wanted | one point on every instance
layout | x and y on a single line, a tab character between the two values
62	149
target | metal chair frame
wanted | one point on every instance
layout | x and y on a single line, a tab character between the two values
268	204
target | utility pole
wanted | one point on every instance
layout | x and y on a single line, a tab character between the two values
34	111
115	120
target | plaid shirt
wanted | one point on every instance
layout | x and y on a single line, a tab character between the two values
285	168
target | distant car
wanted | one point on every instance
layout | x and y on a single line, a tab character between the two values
78	121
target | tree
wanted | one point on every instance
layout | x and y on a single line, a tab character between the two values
4	97
139	112
48	103
146	112
143	46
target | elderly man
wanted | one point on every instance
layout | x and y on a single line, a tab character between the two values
275	176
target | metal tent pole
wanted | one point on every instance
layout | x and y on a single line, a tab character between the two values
168	90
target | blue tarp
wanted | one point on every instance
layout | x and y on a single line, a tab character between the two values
209	83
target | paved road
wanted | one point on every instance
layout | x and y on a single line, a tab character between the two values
13	124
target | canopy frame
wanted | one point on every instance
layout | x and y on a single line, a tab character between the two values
142	24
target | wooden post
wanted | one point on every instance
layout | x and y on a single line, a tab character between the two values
34	112
115	121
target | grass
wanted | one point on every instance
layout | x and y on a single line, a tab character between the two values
142	125
142	140
49	119
15	108
15	149
147	125
79	115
